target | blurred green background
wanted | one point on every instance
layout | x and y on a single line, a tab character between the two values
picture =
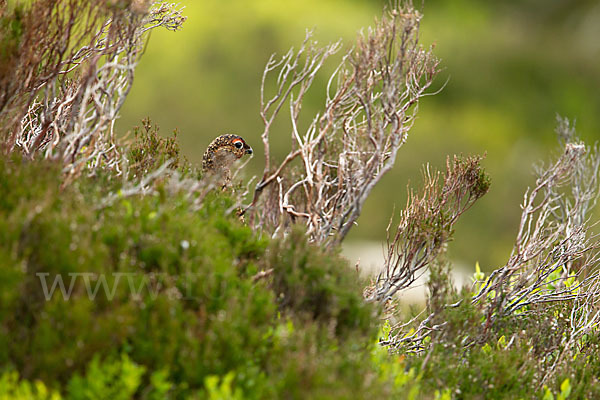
511	66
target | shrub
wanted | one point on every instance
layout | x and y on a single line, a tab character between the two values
135	280
148	151
307	279
166	296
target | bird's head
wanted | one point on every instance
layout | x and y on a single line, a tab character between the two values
236	143
222	152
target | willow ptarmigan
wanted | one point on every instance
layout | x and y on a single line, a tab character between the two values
221	154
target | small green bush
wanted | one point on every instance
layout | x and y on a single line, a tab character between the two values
117	380
148	151
13	389
307	280
508	359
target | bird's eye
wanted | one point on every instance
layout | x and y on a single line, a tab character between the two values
238	144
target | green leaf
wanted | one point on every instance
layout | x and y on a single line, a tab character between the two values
565	388
487	349
501	342
478	275
548	394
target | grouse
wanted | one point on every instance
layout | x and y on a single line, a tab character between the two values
221	154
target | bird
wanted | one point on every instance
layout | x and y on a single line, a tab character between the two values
220	154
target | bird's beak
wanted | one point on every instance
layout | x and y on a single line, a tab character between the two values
249	150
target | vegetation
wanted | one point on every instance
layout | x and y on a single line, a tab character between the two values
156	296
507	68
124	274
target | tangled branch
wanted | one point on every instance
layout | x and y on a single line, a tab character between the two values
60	94
554	252
426	224
371	104
554	261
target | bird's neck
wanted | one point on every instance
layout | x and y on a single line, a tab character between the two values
218	164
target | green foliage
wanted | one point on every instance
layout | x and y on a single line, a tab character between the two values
307	279
148	151
13	389
405	382
116	380
486	371
218	389
512	357
160	301
163	302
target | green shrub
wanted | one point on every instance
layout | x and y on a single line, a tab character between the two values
148	151
13	389
513	357
116	380
164	300
312	281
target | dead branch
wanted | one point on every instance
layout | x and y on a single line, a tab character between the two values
553	243
72	75
335	162
554	259
426	224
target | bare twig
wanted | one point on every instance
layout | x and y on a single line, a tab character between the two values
336	161
426	224
554	260
73	73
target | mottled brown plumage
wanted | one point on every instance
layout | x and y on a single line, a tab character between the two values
221	154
